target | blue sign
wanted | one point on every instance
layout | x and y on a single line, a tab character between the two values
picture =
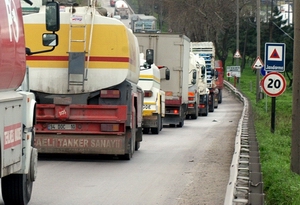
262	71
274	57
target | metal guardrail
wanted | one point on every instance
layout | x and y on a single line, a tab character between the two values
245	184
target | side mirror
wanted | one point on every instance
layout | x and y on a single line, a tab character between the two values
167	74
193	81
52	16
194	75
202	71
149	56
50	39
216	74
212	72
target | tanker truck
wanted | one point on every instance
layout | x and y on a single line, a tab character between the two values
88	100
17	104
154	97
171	50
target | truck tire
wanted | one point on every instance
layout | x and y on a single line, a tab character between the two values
195	116
206	110
220	96
216	102
16	189
212	105
181	123
146	130
137	146
155	130
128	155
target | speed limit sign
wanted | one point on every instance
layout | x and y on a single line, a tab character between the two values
273	84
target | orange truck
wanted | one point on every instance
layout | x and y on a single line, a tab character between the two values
88	98
220	79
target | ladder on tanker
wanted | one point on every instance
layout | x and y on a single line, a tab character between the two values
79	56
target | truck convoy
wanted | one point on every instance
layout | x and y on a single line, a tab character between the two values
88	99
18	155
154	97
171	50
207	51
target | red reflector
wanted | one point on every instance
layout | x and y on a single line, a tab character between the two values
190	98
202	106
109	127
110	94
148	93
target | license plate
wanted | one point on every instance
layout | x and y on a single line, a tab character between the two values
61	126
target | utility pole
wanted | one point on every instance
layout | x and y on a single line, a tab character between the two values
237	30
295	161
258	49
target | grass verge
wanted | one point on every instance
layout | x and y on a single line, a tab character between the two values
281	185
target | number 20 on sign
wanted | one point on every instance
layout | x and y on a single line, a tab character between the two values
273	84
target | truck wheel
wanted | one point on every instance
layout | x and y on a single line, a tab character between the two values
154	130
220	96
216	102
181	124
161	124
137	146
195	116
128	156
157	129
16	189
146	130
212	105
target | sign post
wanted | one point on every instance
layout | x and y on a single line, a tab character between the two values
233	71
274	57
273	84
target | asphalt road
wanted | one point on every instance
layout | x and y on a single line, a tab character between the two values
188	165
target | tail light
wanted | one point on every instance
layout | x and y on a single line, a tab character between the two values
111	128
110	94
172	111
168	93
148	93
202	106
190	105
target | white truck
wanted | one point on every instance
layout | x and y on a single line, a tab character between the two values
121	8
141	23
207	51
17	104
202	88
171	50
154	97
193	94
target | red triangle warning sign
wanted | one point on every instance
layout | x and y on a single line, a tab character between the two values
274	54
